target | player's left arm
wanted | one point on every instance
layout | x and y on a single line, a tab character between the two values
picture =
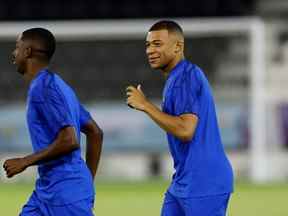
182	126
94	139
64	143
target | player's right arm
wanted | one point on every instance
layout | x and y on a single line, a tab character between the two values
182	126
64	143
53	111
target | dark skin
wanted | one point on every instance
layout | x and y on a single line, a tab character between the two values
29	63
164	51
65	143
94	139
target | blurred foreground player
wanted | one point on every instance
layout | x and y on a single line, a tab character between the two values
55	118
203	181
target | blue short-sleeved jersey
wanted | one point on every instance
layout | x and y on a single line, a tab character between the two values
202	168
52	105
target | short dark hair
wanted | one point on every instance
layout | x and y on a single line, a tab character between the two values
169	25
45	39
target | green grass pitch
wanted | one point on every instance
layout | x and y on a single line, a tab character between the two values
145	198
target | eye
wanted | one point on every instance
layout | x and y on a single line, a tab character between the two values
157	44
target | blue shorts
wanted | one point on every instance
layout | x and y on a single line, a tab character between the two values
202	206
36	207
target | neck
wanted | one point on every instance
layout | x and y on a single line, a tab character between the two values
169	67
33	70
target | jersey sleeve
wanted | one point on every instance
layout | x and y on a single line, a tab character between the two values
54	110
84	116
186	96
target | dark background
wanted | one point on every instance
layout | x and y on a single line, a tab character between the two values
101	70
109	9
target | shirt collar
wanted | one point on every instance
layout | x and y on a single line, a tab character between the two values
177	69
38	75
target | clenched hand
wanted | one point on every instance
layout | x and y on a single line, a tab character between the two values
14	166
136	98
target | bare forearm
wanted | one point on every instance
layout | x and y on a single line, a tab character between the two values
53	151
93	152
171	124
65	143
94	139
182	126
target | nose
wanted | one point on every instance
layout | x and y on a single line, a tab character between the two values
149	50
13	56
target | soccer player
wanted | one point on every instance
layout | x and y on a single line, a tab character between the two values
203	180
55	118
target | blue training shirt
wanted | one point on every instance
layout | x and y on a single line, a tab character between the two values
51	106
202	168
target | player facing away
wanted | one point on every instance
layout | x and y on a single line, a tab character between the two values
55	119
203	178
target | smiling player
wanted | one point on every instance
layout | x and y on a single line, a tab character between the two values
203	180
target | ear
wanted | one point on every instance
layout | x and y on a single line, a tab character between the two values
28	52
179	46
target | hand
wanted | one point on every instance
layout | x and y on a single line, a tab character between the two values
136	98
14	166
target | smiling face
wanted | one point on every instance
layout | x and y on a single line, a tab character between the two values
163	49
